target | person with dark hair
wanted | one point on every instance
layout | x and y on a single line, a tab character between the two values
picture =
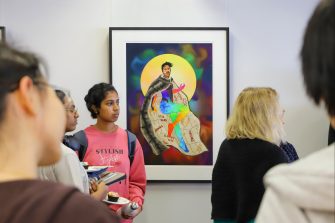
68	170
304	191
32	121
169	65
108	146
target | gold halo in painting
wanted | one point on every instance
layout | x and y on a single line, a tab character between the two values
181	72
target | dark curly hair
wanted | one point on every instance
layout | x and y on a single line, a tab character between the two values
96	95
318	55
166	64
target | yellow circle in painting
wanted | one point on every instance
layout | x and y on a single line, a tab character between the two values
181	72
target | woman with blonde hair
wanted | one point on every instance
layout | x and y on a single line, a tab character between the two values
254	132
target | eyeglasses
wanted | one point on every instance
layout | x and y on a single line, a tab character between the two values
72	110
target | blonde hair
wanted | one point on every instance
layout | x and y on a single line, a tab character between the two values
256	114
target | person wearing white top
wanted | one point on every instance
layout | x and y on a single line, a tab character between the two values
69	170
304	190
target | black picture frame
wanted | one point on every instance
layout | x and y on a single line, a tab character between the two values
2	34
219	37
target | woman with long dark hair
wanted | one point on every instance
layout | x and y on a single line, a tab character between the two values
32	121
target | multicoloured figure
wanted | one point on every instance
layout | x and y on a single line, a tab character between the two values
166	119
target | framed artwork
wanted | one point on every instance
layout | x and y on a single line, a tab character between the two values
2	34
173	85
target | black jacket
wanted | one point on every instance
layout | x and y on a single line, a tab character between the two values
237	179
331	135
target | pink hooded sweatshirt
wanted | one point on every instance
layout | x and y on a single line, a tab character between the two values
111	149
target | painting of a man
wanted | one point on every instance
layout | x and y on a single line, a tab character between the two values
166	119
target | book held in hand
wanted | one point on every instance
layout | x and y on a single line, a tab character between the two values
101	174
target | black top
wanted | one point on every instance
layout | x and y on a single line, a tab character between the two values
289	151
237	179
331	135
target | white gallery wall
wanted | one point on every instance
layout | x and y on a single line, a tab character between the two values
265	39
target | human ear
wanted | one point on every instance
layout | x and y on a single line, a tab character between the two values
27	95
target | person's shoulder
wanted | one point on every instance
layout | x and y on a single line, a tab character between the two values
39	192
318	163
67	151
265	143
160	80
120	132
88	129
50	189
251	144
73	205
155	81
78	204
262	150
266	147
310	178
120	129
126	132
92	132
226	143
322	160
273	151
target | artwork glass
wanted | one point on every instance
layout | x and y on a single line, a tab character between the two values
168	85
